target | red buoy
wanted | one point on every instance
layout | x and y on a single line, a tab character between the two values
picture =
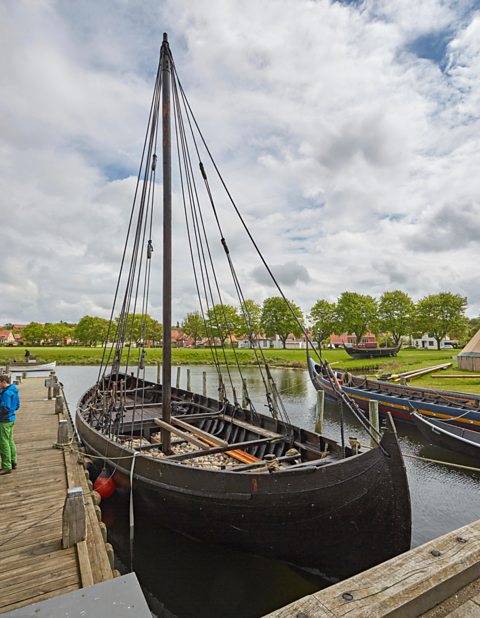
105	486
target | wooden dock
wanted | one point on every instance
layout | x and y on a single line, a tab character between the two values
435	580
33	565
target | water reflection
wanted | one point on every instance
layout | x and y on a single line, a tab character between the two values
196	580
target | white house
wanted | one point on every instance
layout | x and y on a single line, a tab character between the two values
429	343
290	344
264	344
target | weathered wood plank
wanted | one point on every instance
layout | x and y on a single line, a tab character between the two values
33	567
403	587
186	436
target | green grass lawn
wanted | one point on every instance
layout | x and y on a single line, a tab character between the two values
405	361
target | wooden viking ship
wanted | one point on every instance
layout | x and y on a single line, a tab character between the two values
460	409
217	469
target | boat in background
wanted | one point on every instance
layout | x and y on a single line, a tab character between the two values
446	435
32	365
461	409
217	469
367	352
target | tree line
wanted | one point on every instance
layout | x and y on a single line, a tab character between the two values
394	314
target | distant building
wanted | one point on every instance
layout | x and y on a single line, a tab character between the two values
338	341
425	342
6	337
292	343
260	342
180	339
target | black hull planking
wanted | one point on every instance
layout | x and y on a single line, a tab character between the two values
371	352
463	441
340	518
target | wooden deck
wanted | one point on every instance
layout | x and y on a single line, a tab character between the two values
438	579
33	565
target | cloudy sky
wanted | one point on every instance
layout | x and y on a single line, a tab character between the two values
348	133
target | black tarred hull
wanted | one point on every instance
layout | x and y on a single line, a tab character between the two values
371	352
454	439
341	518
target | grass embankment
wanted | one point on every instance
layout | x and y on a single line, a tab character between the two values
405	361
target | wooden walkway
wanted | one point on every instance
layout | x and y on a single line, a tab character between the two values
33	565
435	580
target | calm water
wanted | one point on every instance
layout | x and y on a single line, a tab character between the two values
186	579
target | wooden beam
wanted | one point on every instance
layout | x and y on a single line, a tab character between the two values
462	375
253	428
179	432
199	432
219	449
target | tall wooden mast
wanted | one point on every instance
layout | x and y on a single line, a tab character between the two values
167	243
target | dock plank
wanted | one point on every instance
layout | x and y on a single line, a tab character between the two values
404	587
33	565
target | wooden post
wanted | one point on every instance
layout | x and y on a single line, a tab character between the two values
62	435
319	410
204	383
189	385
59	405
49	384
374	421
18	380
221	391
56	390
274	398
403	381
244	393
159	372
177	384
24	375
74	525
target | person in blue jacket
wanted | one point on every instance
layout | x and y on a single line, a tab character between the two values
9	404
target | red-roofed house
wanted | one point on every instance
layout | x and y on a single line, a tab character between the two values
6	336
368	340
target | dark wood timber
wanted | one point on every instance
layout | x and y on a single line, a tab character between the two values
458	439
167	245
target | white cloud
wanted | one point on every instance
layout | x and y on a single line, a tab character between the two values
353	160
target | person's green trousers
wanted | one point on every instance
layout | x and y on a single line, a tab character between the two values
8	450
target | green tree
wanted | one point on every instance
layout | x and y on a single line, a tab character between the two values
473	327
357	314
193	326
323	318
90	330
441	314
277	319
250	315
138	328
396	314
33	333
58	332
222	322
153	330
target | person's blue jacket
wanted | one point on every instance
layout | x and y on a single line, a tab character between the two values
9	403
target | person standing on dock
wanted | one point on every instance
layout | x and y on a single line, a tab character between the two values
9	404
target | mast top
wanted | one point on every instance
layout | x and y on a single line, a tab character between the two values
165	37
